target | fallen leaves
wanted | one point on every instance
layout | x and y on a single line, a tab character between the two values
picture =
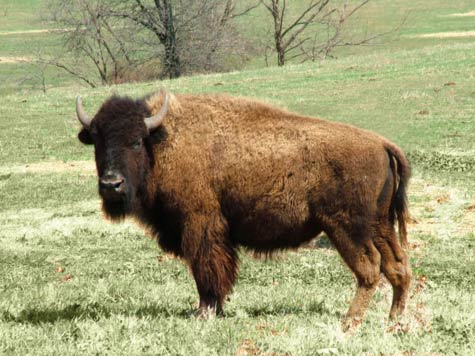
443	199
66	278
423	112
420	283
249	348
471	207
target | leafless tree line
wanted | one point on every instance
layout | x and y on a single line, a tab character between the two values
123	40
314	32
126	40
191	33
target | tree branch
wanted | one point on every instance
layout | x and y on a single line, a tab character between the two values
307	22
244	12
72	72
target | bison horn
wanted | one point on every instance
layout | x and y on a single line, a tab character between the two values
82	116
153	122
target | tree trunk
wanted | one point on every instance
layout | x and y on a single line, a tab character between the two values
280	52
276	14
172	59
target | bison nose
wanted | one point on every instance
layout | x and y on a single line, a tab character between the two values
112	182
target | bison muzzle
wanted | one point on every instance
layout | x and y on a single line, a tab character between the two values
208	174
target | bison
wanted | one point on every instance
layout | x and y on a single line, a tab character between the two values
207	174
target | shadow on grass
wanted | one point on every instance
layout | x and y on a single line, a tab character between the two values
319	308
93	311
96	311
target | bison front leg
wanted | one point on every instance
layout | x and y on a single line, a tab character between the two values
212	260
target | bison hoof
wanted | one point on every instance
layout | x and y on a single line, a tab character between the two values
350	324
206	313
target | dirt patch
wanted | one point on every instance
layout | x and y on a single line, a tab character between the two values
26	32
439	211
467	220
85	167
453	34
465	14
10	60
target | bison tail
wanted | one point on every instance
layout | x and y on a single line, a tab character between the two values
402	173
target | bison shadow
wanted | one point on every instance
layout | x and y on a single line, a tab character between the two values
317	307
96	311
93	311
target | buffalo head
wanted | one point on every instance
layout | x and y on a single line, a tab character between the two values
120	132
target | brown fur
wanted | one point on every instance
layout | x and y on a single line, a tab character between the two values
226	172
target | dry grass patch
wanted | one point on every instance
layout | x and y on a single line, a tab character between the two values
85	167
464	14
436	210
13	60
450	34
28	32
467	220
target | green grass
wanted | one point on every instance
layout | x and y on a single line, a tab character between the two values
19	15
73	284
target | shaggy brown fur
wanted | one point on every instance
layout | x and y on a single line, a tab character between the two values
225	172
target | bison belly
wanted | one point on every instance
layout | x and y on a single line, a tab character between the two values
273	223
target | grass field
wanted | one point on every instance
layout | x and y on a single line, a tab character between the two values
73	284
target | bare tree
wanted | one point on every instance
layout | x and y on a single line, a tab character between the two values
313	32
169	38
92	36
160	20
191	32
37	76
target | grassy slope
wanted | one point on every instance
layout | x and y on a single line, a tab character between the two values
19	15
422	99
73	285
377	17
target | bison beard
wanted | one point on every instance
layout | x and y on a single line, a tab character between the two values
117	210
210	174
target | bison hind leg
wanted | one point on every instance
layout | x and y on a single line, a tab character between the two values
357	249
395	267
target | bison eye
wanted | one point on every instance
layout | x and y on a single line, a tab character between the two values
137	145
93	132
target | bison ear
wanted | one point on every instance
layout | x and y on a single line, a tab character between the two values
85	137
